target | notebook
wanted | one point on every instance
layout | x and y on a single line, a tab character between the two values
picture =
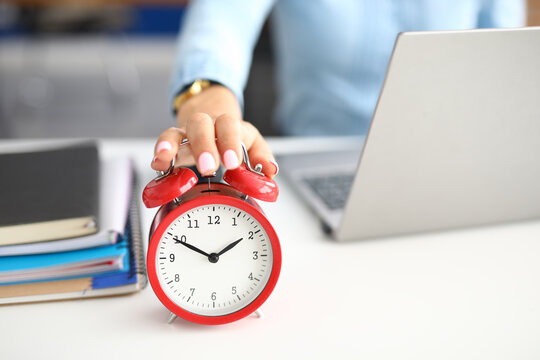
48	195
116	180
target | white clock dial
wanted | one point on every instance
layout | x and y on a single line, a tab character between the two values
214	260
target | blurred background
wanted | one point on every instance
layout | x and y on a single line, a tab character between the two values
101	68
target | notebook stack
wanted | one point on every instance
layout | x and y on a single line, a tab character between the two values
69	225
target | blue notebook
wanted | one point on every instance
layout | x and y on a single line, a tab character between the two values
64	265
128	275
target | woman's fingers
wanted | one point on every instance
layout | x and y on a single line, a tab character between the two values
166	148
202	139
228	134
260	153
258	150
206	151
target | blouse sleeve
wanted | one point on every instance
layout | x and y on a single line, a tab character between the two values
216	42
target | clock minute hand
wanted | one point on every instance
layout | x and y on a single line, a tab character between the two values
229	247
189	246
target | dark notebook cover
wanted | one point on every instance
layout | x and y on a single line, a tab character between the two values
49	185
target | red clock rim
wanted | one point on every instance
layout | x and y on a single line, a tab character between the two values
237	315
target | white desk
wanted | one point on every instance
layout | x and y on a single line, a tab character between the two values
471	294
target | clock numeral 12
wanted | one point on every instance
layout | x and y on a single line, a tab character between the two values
216	220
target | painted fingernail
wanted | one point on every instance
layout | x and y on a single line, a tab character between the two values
206	163
230	159
276	165
163	145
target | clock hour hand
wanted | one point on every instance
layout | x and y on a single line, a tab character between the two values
229	247
189	246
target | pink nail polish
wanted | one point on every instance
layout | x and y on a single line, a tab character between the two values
230	160
163	145
206	163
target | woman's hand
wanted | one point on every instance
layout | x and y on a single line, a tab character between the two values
212	114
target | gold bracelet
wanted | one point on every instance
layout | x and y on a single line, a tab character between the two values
195	88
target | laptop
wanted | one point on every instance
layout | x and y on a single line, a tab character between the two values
454	141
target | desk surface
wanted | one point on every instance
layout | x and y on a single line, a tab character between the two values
471	294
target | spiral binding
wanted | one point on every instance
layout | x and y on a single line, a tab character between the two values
137	248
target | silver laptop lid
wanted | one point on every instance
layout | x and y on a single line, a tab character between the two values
455	139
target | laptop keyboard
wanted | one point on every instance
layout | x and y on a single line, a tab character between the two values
333	190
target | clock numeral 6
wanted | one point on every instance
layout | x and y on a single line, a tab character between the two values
213	297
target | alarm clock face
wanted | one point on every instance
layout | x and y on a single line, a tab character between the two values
213	260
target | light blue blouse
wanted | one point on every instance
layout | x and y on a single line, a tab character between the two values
331	55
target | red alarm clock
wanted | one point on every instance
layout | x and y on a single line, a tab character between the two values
213	256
